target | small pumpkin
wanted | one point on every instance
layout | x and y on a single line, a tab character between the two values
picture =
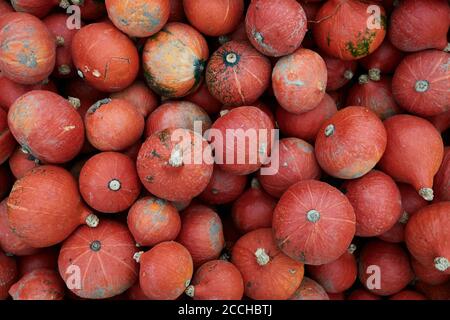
362	294
21	162
339	72
139	95
203	98
427	274
41	284
309	290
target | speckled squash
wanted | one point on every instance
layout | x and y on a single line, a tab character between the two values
41	284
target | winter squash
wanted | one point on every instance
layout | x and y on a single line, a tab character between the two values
174	60
414	152
362	294
377	203
5	8
104	57
166	271
299	81
360	35
139	95
427	274
306	125
46	258
261	105
20	163
47	126
408	295
109	182
178	158
7	142
176	11
6	181
136	293
41	284
442	178
384	60
375	95
436	292
152	220
239	34
237	74
8	274
336	276
214	18
216	280
91	9
203	98
38	8
441	121
268	274
426	235
393	271
350	144
139	18
275	28
229	134
113	124
178	114
27	48
44	207
313	222
339	72
309	290
420	83
223	187
420	24
253	209
296	162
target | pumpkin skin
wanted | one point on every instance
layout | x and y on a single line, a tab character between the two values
5	8
216	280
268	274
174	60
138	94
441	121
8	274
135	293
420	83
383	60
352	40
420	24
41	284
44	207
139	18
104	57
350	143
361	294
309	290
306	125
113	124
426	236
38	8
339	72
27	48
104	256
109	182
91	9
442	178
20	163
176	11
166	270
152	220
203	98
275	28
408	295
405	158
237	74
304	209
297	162
87	94
427	274
46	258
438	292
393	264
7	142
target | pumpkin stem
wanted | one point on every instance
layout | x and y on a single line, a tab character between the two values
75	102
231	57
262	257
95	245
313	216
352	248
329	130
375	74
223	39
363	79
176	157
114	185
427	194
98	104
225	256
441	263
190	291
224	112
255	184
422	86
137	256
60	41
447	48
404	218
80	73
348	74
64	69
64	4
78	2
92	220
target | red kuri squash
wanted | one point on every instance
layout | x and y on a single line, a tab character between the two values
7	141
139	95
41	284
8	274
46	258
339	72
309	290
442	178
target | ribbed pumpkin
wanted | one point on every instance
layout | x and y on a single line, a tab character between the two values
41	284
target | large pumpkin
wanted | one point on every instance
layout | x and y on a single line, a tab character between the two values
41	284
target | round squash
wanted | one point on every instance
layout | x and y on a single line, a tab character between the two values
442	178
309	290
46	258
41	284
339	72
139	95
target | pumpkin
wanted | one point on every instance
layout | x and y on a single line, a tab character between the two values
360	35
27	48
90	9
8	274
275	28
113	124
237	74
203	98
21	162
442	178
414	152
268	274
296	162
46	258
178	158
104	57
253	209
420	83
136	293
6	181
263	106
5	7
437	292
152	220
306	125
408	295
313	222
109	182
86	94
362	294
441	121
165	271
339	72
239	34
216	280
350	144
178	114
139	95
374	95
10	91
427	274
44	207
38	8
393	269
299	81
174	60
41	284
176	11
7	142
309	290
420	24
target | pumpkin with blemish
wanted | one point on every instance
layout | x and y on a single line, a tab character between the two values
27	48
275	28
47	126
41	284
7	142
38	8
309	290
383	60
138	18
138	94
105	57
174	60
203	98
360	35
299	81
8	274
237	74
103	258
